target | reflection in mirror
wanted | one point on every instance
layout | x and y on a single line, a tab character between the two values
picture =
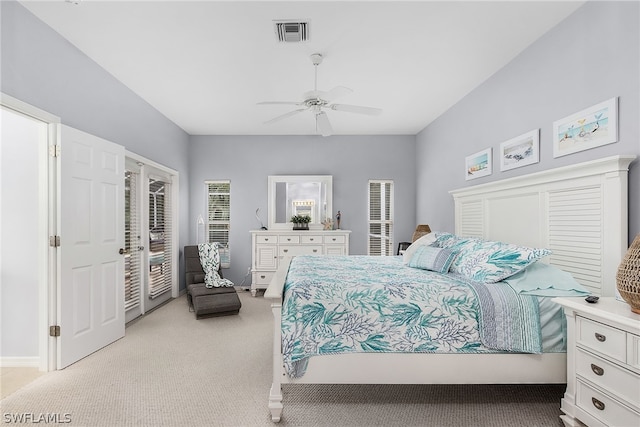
291	195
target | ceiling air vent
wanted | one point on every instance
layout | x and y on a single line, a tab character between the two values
290	31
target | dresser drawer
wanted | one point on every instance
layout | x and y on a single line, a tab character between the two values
267	239
334	250
604	408
289	239
602	338
311	239
263	277
334	239
606	375
286	251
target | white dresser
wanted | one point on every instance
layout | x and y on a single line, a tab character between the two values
268	247
603	364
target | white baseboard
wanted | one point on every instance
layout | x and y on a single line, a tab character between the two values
19	362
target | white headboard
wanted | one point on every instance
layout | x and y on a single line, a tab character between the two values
577	211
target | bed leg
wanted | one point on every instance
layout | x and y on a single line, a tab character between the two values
275	402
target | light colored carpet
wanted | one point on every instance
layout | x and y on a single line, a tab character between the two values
173	370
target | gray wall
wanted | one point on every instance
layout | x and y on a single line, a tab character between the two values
352	160
590	57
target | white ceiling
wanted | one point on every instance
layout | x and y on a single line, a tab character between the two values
206	64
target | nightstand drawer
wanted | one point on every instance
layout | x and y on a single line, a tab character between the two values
604	408
633	351
334	239
311	239
289	239
602	338
608	376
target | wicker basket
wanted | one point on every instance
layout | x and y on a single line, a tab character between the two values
628	277
421	230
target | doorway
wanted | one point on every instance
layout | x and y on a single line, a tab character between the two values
24	227
151	272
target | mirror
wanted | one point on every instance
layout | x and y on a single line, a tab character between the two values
290	195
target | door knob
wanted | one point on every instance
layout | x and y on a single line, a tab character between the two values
121	251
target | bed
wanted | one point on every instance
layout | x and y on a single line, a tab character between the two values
578	212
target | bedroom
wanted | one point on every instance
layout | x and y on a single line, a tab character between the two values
507	104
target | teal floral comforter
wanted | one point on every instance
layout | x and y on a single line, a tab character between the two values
345	304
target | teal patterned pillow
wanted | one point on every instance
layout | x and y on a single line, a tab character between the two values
447	240
432	258
489	262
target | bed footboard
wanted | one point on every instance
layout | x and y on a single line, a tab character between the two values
274	292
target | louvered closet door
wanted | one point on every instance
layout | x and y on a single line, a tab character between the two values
160	223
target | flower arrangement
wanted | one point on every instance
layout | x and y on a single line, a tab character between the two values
300	222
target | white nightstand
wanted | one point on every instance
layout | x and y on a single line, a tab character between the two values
603	364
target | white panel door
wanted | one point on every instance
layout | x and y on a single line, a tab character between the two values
91	228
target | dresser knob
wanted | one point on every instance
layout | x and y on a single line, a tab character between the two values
263	276
597	370
334	239
315	250
598	404
311	239
601	337
285	250
288	239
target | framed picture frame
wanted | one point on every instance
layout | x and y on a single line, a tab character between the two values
520	151
586	129
478	165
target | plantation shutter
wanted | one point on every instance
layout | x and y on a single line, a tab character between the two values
160	232
132	277
380	237
219	218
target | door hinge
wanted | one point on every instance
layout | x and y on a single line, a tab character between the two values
54	331
54	241
54	150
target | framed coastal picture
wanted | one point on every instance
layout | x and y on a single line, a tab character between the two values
520	151
478	164
589	128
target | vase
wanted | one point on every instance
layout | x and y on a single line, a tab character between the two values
628	277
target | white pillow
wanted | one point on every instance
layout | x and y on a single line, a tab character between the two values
425	240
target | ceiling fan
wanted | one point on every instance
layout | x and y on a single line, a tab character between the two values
317	101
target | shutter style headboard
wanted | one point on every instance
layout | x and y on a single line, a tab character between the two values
578	211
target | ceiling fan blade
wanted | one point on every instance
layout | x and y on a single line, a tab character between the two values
284	116
356	109
335	93
322	122
280	103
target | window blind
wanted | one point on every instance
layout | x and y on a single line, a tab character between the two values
380	236
219	217
160	233
132	277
